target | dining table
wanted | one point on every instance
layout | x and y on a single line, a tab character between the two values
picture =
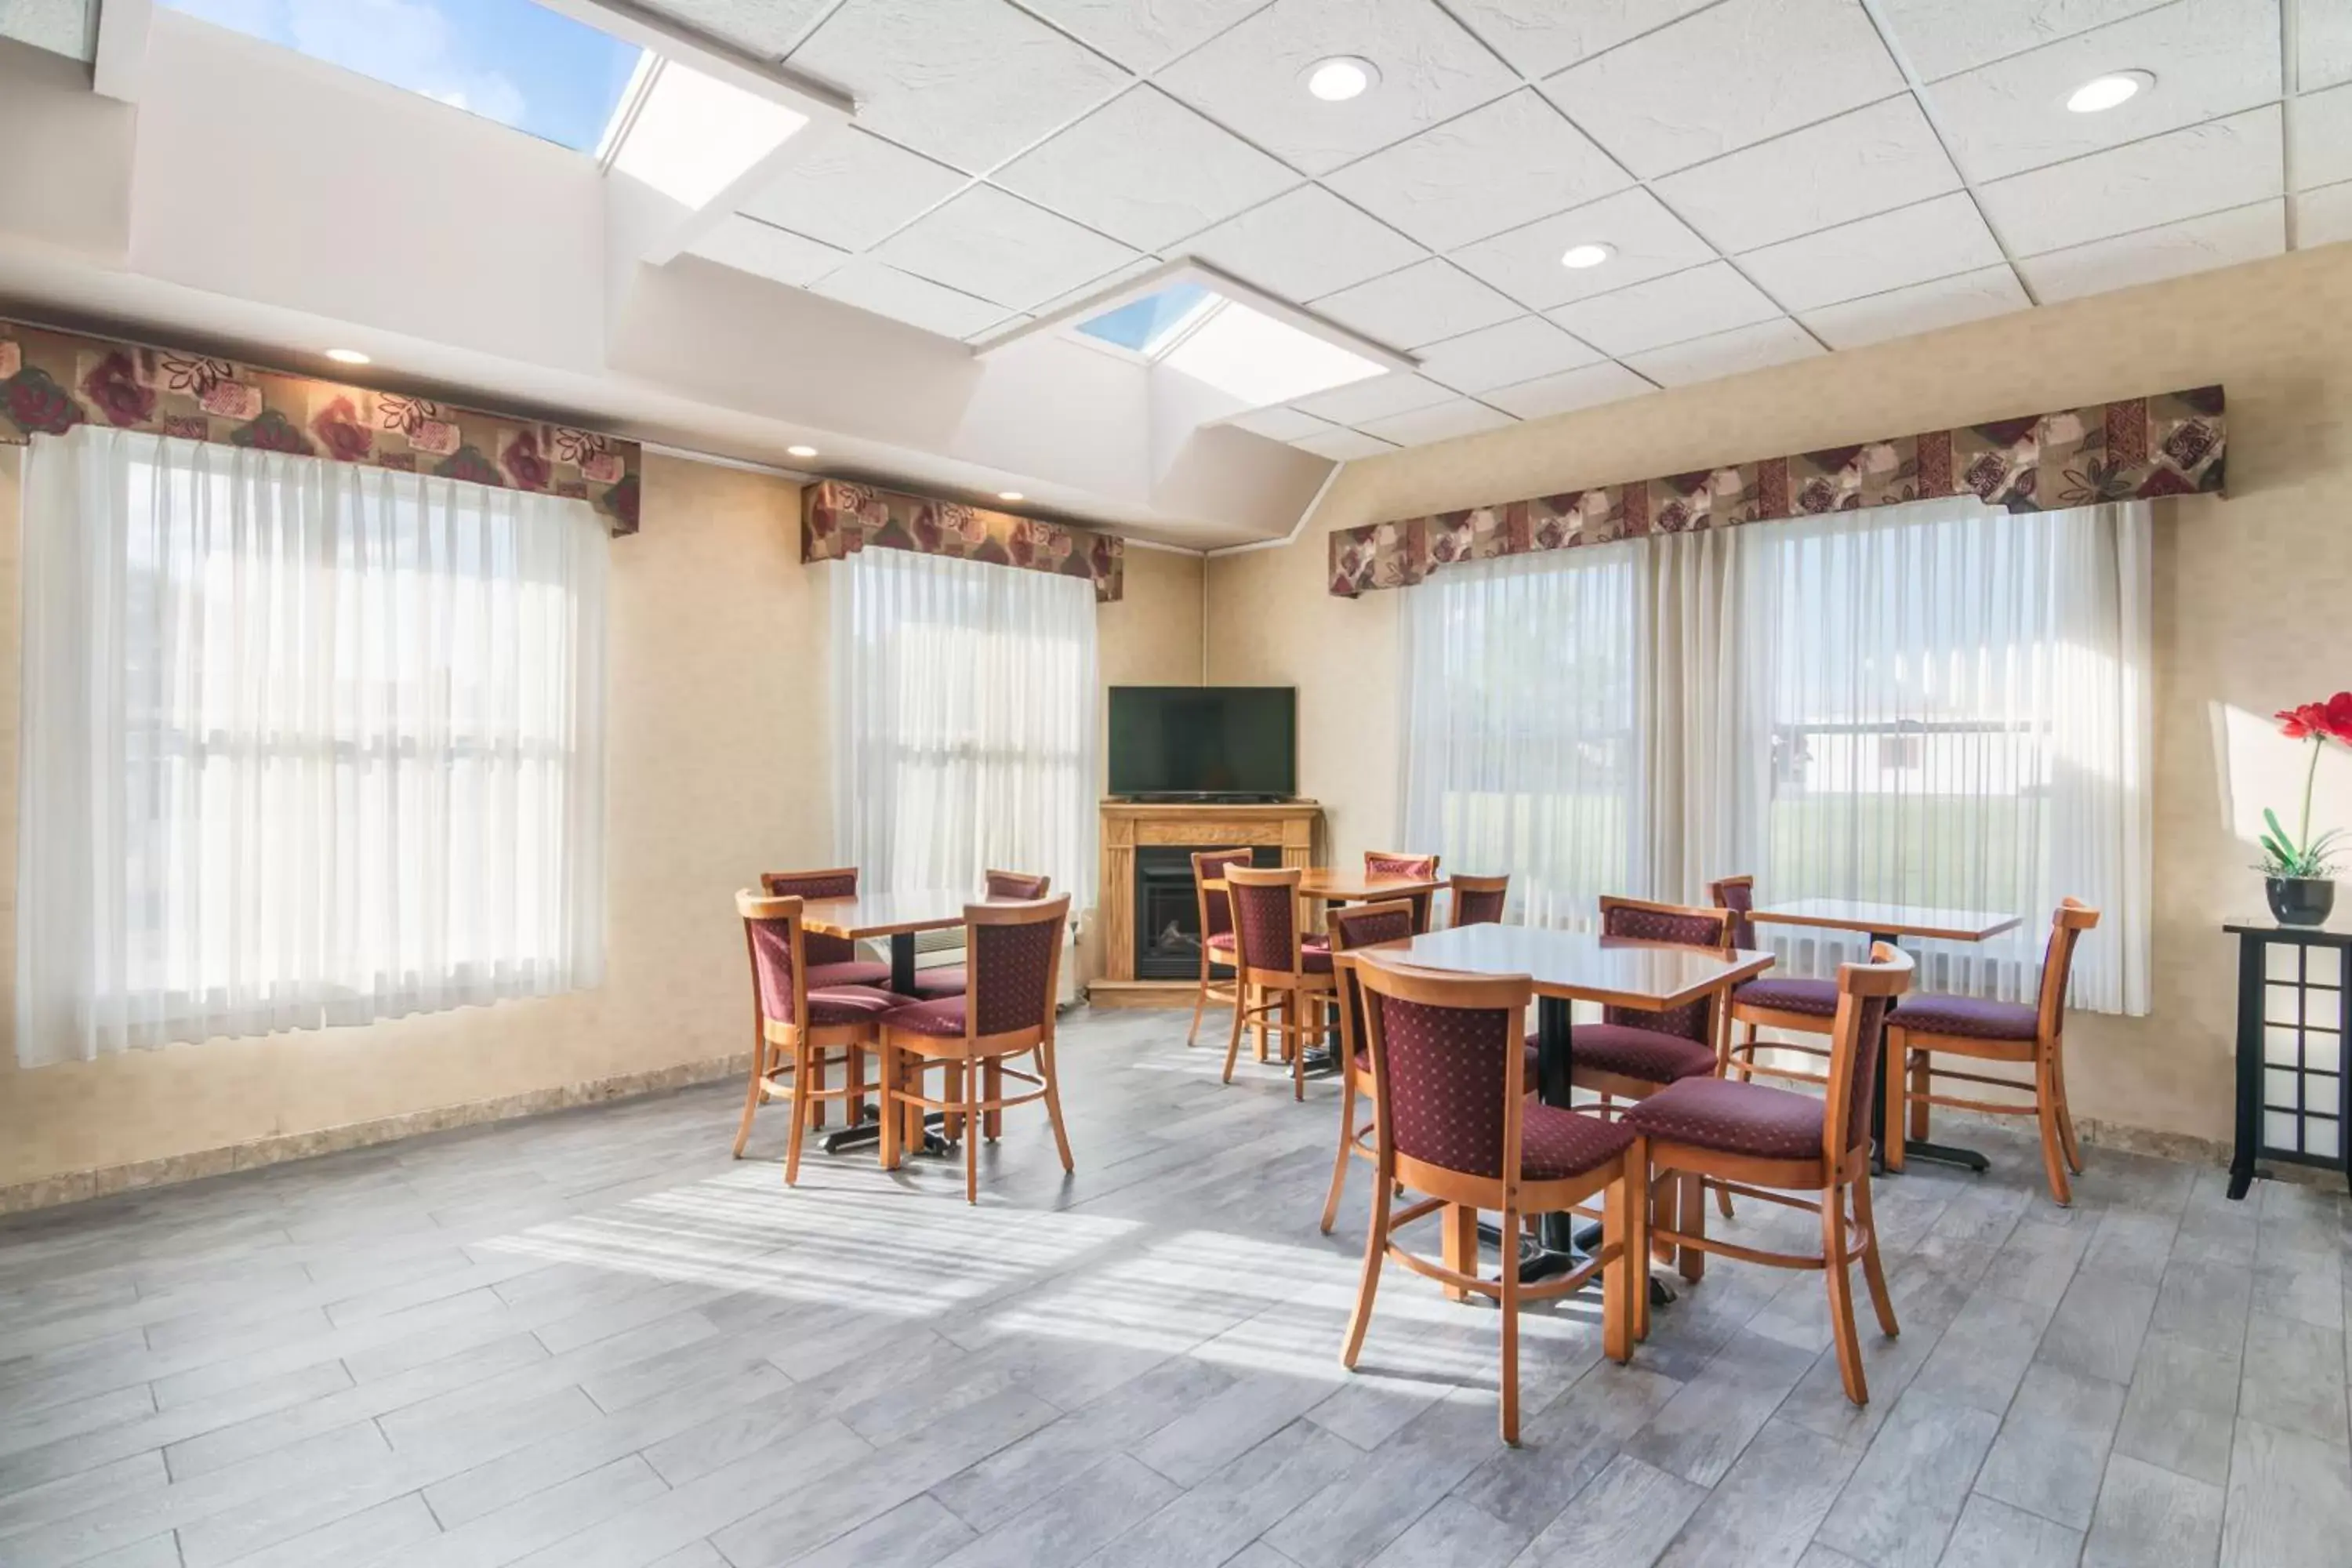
1568	967
1891	923
900	916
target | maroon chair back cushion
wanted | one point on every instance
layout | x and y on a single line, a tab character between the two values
1014	885
1009	966
1694	1021
1479	906
1739	897
1264	919
1864	1081
1209	866
1363	926
816	947
1447	1081
1399	865
771	966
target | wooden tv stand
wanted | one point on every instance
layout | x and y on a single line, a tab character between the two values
1290	825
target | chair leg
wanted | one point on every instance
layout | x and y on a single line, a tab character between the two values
1234	1045
1923	1083
1872	1273
1665	1206
854	1079
751	1099
1339	1161
1836	1271
1620	1231
894	1110
1459	1244
801	1075
1896	1095
1046	1070
2053	1157
1296	1014
1200	998
1747	1066
817	1076
1689	1261
1259	1024
993	1088
2066	1108
970	1076
1510	1305
1636	1283
952	1125
1376	1250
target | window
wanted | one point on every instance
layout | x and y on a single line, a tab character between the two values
963	722
1224	334
305	744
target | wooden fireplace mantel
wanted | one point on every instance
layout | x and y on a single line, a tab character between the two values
1126	823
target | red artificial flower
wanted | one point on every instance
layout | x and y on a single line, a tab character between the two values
2290	724
2339	717
2331	720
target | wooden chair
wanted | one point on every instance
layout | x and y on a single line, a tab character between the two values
1452	1118
1790	1003
1355	927
1014	953
1479	900
1769	1143
950	980
795	1026
1403	863
832	959
1283	979
1216	928
1925	1026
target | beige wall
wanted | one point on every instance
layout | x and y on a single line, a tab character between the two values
717	768
2250	591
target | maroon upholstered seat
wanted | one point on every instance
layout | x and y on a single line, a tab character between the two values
942	1017
1733	1118
1221	942
1972	1017
1627	1051
1554	1144
951	980
850	1004
1789	994
853	972
1315	955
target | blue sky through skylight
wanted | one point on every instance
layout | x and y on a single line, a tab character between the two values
1140	323
508	60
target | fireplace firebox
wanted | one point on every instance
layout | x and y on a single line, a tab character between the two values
1168	913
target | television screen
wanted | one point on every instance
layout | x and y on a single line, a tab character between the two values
1203	739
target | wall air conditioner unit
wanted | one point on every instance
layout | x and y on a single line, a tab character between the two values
944	950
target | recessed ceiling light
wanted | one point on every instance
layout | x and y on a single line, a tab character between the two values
802	451
1009	495
2107	91
1581	256
1341	77
347	356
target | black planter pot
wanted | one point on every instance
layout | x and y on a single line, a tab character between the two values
2300	900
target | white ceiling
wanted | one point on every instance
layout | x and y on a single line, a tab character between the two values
1780	178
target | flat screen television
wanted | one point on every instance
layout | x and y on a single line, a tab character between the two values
1185	741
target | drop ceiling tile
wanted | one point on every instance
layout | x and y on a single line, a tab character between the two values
1943	39
1251	78
1540	37
1727	354
1911	245
989	333
1508	163
2183	173
1375	398
1001	248
768	28
1424	302
1726	77
1304	245
1143	37
1342	445
62	26
1094	288
1504	354
1693	304
2174	251
2322	123
1145	169
2322	216
1524	263
2322	40
1608	382
2209	58
1868	162
871	286
1921	308
750	246
852	189
970	82
1283	424
1438	422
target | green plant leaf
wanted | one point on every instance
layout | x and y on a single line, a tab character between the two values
2272	817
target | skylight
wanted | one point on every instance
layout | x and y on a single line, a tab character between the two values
1143	324
512	61
1244	352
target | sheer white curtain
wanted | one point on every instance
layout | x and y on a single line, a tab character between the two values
1943	704
304	743
963	722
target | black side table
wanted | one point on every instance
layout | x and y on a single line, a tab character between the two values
2292	1096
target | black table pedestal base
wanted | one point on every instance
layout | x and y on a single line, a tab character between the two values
868	1133
1560	1248
1946	1154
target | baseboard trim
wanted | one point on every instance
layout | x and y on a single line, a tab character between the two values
79	1186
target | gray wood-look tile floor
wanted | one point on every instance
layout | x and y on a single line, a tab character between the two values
592	1339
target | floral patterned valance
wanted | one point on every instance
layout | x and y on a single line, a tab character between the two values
50	382
2171	444
839	519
